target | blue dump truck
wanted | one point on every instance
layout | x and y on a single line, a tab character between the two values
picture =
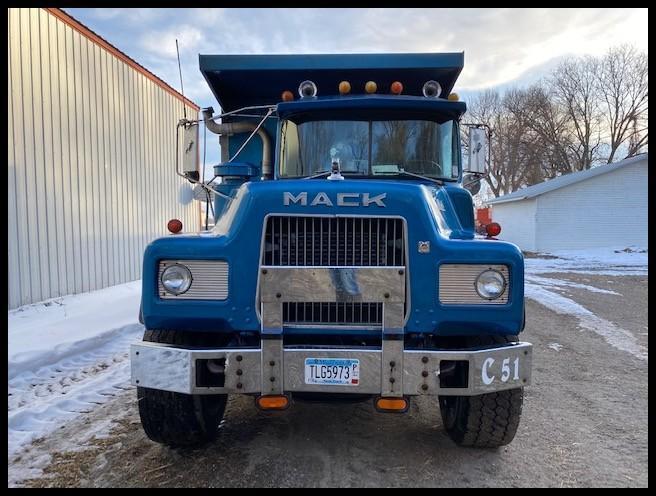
343	264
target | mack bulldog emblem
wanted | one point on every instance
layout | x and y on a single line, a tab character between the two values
341	199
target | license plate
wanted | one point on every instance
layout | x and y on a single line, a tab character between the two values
332	371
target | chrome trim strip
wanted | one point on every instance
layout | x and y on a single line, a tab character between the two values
209	280
457	284
284	214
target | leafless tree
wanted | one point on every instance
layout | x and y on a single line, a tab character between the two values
622	81
573	89
586	112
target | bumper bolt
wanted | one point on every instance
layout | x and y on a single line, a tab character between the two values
424	359
424	387
401	272
239	386
272	379
264	271
386	295
278	295
238	358
272	363
239	372
424	374
392	363
392	380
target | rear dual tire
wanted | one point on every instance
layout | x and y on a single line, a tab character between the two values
177	419
487	420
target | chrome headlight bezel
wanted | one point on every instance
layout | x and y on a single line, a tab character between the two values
496	276
186	277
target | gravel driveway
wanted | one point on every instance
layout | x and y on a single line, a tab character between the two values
585	423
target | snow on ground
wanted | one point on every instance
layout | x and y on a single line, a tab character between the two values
601	261
65	357
610	262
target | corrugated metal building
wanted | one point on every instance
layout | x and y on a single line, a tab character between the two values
602	207
91	153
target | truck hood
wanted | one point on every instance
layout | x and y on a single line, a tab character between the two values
443	205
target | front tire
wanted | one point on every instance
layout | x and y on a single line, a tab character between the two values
177	419
487	420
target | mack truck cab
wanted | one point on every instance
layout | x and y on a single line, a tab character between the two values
343	263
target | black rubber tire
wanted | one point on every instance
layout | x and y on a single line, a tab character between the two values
487	420
177	419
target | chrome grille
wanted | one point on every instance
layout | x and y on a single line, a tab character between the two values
334	241
343	313
457	284
209	280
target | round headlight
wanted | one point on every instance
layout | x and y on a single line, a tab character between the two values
490	284
176	279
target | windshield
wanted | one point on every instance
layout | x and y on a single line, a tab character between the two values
370	148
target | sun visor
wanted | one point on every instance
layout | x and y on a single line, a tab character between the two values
246	80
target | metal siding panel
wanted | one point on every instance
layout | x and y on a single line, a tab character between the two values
56	158
13	258
103	128
80	204
47	193
113	152
170	205
150	161
141	210
143	173
74	148
93	141
87	200
67	158
32	247
129	131
120	171
96	253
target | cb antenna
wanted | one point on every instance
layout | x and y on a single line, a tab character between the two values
184	104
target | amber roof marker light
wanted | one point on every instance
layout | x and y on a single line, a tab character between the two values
344	88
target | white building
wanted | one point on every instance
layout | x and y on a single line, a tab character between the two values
91	159
605	206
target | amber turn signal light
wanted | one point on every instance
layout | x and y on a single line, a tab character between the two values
398	405
287	96
272	402
175	226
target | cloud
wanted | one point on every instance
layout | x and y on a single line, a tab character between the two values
500	45
162	42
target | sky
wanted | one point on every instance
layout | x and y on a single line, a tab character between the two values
503	47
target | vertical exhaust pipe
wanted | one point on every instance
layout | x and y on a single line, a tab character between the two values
228	128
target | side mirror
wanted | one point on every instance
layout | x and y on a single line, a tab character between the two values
478	149
190	151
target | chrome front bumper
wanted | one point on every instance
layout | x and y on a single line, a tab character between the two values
414	372
274	368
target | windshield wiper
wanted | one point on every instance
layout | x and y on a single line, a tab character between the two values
403	172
